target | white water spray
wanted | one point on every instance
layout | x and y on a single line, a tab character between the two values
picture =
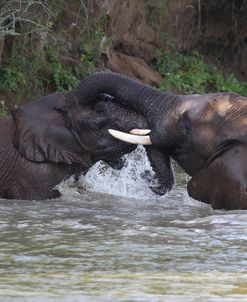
126	182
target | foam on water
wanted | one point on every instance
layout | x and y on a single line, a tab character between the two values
125	182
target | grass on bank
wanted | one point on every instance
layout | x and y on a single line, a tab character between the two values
191	74
29	75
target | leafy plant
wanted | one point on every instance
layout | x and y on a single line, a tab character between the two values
11	78
95	40
191	74
229	83
22	75
3	109
62	78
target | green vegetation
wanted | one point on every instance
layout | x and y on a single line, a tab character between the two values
3	109
49	46
22	75
32	75
94	40
61	78
190	74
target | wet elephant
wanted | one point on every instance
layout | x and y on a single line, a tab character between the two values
206	134
56	136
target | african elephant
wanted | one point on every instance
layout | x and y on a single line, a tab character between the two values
59	135
206	134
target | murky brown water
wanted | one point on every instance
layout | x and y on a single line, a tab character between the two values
92	246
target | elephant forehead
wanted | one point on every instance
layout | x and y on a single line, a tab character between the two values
221	105
215	108
215	115
201	112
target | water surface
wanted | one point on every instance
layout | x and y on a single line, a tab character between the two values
109	238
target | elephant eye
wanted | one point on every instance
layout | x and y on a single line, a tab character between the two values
104	97
100	108
185	125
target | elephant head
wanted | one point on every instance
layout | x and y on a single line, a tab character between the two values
59	135
205	134
59	129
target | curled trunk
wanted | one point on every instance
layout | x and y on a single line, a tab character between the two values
131	93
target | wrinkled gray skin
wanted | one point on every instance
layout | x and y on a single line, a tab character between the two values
205	134
56	136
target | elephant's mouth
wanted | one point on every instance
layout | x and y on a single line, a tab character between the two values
160	162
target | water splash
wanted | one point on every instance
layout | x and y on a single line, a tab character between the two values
125	182
129	183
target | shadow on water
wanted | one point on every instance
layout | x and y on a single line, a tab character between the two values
109	238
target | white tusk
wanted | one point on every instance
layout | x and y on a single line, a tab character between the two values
130	138
140	131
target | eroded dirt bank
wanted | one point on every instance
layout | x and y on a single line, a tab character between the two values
123	36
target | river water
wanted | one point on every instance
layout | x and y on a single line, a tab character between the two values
109	238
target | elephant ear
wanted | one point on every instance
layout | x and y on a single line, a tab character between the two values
41	133
223	183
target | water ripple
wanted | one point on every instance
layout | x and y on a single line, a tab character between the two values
109	238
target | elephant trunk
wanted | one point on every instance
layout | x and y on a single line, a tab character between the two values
161	165
130	93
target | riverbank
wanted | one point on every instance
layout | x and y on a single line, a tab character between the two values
184	46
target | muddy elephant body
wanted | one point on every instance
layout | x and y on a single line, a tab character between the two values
206	135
